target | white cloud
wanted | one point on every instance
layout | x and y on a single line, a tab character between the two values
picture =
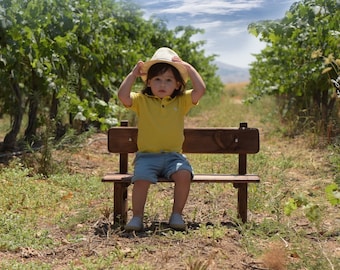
213	7
221	27
208	25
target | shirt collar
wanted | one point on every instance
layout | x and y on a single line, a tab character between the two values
167	98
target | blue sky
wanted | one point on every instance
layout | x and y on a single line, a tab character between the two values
225	23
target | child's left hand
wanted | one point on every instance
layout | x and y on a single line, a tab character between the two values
177	59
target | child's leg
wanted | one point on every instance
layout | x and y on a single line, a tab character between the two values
139	194
182	181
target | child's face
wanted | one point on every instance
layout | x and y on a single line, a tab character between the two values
163	85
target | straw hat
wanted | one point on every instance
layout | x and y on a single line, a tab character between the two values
165	55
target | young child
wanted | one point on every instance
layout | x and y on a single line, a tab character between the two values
161	107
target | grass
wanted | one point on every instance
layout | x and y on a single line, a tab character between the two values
63	221
28	200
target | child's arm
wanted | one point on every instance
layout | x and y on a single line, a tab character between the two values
197	83
196	80
126	86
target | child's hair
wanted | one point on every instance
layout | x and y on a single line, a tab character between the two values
159	69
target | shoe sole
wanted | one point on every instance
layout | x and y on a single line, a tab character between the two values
132	228
178	227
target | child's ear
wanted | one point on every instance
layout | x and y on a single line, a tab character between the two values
179	85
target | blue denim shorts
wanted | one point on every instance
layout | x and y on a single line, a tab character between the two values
150	166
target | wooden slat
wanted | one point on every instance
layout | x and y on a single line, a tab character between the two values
209	178
122	140
216	140
221	140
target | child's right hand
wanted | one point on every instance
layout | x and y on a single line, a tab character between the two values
126	86
137	70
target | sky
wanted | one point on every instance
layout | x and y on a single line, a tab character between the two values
225	23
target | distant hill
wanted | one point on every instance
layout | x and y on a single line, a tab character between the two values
229	73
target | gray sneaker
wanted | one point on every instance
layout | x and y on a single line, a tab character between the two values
177	223
135	224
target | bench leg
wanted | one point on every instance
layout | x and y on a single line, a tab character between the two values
242	200
120	203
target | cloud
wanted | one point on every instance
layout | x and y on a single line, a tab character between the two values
208	24
198	7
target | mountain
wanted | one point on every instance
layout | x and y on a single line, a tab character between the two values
229	73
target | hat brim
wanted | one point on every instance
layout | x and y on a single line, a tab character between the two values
182	70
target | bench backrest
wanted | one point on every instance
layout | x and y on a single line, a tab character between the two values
241	141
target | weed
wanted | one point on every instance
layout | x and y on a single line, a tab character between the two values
197	264
333	194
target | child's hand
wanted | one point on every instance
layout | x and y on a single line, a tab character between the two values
137	70
177	59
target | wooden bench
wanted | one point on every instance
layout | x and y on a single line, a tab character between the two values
241	141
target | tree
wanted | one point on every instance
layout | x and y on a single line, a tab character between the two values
288	68
61	58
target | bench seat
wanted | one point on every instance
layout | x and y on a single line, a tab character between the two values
209	178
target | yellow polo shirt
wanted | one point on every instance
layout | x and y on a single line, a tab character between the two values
161	121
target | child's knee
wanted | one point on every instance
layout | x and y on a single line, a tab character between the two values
182	175
141	184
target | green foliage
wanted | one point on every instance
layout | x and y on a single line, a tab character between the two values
333	194
294	203
288	68
312	211
290	206
68	58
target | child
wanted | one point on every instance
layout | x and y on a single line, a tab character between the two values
161	107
